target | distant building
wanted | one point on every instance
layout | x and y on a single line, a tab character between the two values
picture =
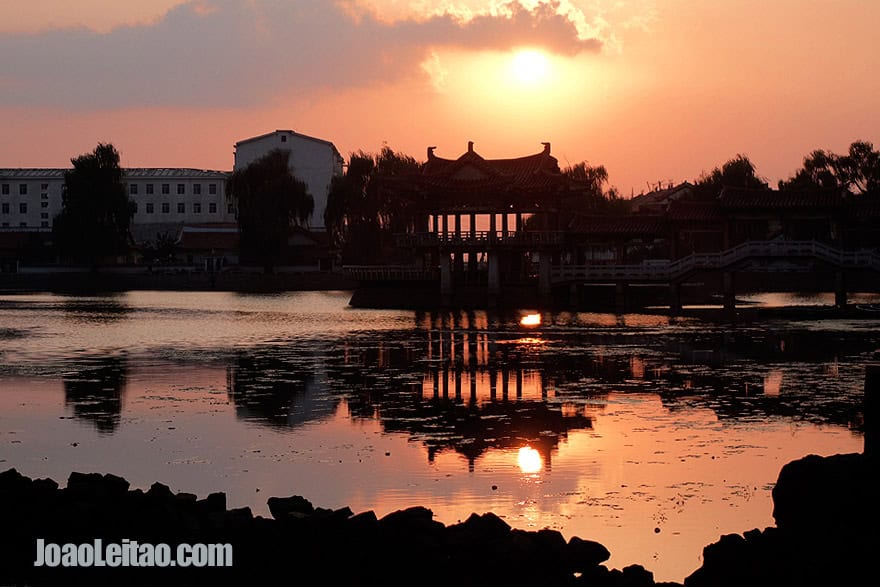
31	198
657	201
314	161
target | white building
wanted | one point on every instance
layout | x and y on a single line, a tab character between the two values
314	161
31	198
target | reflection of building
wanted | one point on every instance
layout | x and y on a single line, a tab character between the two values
314	161
95	393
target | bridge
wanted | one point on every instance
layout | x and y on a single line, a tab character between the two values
662	271
554	277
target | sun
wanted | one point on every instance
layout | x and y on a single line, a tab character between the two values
529	67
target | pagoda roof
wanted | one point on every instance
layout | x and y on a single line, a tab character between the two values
473	182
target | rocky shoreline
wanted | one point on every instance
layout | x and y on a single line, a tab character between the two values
825	508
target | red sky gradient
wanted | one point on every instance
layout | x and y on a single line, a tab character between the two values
654	90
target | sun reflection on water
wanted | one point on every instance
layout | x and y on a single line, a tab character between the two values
529	460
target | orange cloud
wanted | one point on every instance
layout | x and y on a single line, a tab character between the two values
231	53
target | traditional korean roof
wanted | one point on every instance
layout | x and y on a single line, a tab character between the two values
471	181
751	198
204	237
685	211
15	238
617	225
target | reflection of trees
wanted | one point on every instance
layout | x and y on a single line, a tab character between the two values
106	308
276	391
95	392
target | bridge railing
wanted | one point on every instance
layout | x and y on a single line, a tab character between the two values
659	270
390	272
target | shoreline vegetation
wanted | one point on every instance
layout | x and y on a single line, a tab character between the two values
825	511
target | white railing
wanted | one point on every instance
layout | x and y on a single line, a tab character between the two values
659	271
390	272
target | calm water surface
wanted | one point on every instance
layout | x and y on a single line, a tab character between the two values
650	435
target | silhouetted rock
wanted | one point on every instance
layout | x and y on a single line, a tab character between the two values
828	530
830	541
583	554
283	507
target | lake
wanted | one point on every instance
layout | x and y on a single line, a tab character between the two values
649	434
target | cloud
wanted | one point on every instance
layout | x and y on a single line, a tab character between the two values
234	53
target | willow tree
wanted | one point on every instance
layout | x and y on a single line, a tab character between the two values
96	211
369	203
270	201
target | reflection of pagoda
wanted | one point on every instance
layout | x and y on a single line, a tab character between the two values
476	390
95	392
472	430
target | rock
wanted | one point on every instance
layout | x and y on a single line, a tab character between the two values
581	555
478	529
827	494
97	485
637	576
283	507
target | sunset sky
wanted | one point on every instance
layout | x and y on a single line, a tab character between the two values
656	90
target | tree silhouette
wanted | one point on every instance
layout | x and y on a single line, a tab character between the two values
270	200
96	214
857	172
369	203
737	172
588	183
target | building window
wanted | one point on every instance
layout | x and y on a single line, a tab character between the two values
230	208
135	207
44	224
181	208
133	189
44	204
149	188
149	207
5	189
212	208
181	189
44	187
22	224
22	189
22	208
197	188
166	207
5	208
283	138
197	208
44	215
212	188
166	188
44	196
